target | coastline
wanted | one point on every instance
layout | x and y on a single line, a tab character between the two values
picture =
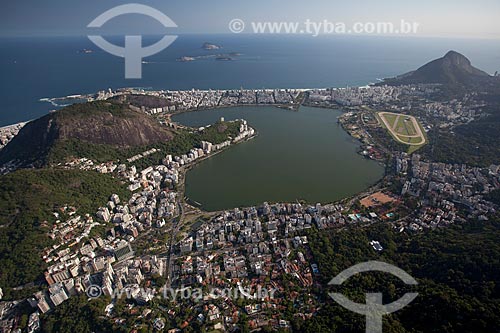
20	124
7	133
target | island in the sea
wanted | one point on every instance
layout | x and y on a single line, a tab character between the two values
86	51
186	59
217	57
209	46
223	58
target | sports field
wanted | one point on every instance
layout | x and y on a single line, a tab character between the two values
403	128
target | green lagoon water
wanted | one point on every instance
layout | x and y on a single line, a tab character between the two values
302	155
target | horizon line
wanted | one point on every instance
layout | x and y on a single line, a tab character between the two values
246	34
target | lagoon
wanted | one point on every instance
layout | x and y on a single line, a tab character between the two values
302	155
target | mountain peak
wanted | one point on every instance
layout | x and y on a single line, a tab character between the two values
453	54
453	70
457	59
101	123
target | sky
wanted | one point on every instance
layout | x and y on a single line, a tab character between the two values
437	18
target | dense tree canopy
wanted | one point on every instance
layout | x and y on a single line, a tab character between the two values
458	270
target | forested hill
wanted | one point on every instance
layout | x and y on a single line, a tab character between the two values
98	123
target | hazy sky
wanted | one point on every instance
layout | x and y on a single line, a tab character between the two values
456	18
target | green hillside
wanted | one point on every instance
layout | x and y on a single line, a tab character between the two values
27	199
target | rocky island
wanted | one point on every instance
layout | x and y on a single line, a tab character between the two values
209	46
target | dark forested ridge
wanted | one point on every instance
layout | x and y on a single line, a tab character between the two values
458	270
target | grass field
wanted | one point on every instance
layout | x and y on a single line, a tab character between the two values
391	119
414	140
404	129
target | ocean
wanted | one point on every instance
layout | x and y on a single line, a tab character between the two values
36	68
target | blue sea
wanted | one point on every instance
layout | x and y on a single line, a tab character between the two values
35	68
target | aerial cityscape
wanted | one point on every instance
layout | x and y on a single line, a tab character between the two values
147	207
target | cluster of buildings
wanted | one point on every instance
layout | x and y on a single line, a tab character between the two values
197	99
256	248
453	112
369	95
247	97
7	133
80	260
142	155
183	100
115	272
415	98
75	269
253	249
207	148
32	325
70	232
355	123
447	193
258	253
397	98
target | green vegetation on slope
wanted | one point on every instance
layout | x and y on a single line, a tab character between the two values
79	314
88	110
96	124
475	144
146	101
458	270
27	200
180	144
494	196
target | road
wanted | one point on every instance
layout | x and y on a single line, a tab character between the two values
177	224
